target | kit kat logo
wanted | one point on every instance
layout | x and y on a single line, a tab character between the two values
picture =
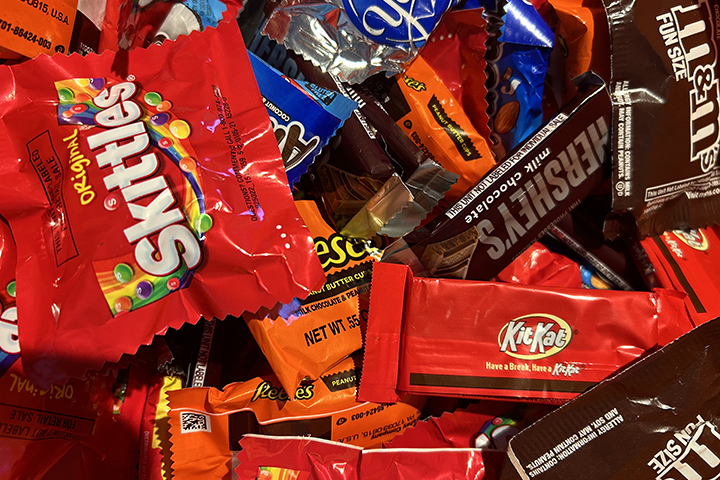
534	336
692	238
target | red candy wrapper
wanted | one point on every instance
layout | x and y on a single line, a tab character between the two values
461	338
304	459
688	261
144	202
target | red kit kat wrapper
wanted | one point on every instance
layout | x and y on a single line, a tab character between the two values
478	339
142	202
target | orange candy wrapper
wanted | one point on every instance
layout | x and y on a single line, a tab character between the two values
304	339
206	424
428	113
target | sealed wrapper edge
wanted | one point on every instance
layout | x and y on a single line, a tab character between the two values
382	352
647	403
541	370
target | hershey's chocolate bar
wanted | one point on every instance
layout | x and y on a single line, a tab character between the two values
659	420
539	181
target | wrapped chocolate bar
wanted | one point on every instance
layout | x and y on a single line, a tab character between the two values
304	116
144	202
656	420
475	339
305	338
539	181
518	52
300	458
355	39
206	424
688	261
666	104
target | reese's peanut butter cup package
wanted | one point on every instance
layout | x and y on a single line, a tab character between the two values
143	202
427	113
305	338
264	457
658	419
666	104
475	339
688	261
206	424
536	184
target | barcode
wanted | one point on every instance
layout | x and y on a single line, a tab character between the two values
194	422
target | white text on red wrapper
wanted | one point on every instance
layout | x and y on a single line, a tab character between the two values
120	116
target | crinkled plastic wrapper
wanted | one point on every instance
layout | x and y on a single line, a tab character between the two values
304	339
450	337
206	424
354	39
312	459
666	113
144	202
659	419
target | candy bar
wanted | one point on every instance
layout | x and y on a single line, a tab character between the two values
475	339
657	420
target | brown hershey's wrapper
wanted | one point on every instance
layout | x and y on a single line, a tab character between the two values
657	420
538	182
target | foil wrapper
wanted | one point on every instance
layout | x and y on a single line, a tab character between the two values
324	33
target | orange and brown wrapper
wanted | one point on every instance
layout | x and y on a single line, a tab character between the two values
206	424
304	339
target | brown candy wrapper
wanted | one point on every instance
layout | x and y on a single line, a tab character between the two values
656	420
666	107
539	181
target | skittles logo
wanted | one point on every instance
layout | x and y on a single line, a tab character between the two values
152	185
534	336
399	23
692	238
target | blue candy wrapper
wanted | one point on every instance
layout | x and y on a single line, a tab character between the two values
304	116
518	53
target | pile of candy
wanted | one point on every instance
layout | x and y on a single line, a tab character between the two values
323	239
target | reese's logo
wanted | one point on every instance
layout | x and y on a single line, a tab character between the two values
534	336
337	251
692	238
416	85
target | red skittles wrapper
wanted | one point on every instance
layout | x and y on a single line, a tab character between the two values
449	337
143	202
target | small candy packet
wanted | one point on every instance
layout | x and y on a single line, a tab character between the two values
145	202
305	338
206	424
666	104
582	43
355	39
456	52
518	52
540	267
43	27
154	461
263	457
426	112
688	261
658	419
519	199
304	116
550	347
